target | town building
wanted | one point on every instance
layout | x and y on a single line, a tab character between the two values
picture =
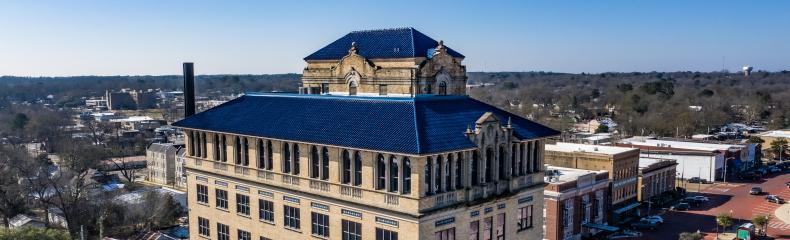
576	203
181	173
771	136
622	164
304	166
161	163
698	159
128	99
656	179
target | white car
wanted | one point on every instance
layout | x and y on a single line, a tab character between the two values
655	219
701	198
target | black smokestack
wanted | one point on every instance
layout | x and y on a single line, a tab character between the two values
189	89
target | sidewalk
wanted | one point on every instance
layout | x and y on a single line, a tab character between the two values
783	213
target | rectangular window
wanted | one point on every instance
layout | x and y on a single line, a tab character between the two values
474	230
242	204
320	224
382	234
265	210
223	232
447	234
382	90
203	227
352	230
487	231
244	235
500	228
525	217
202	194
291	217
222	198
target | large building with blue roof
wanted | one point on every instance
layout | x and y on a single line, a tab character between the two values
383	143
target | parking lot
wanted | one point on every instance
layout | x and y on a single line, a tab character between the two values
731	198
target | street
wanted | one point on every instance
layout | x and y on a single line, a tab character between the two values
728	198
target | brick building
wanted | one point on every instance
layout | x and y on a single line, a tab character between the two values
576	203
622	164
656	177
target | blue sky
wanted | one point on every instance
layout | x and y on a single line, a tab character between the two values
64	38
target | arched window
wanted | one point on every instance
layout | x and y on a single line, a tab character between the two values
295	158
352	88
442	88
245	148
325	164
237	150
393	174
535	161
315	167
203	146
475	173
346	179
513	160
357	168
502	162
381	172
438	182
269	155
522	161
489	165
406	175
428	177
286	158
193	140
222	149
448	176
459	166
261	155
216	147
428	88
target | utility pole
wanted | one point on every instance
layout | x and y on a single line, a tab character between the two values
82	233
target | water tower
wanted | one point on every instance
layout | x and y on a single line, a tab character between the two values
747	70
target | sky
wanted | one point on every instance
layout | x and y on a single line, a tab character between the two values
153	37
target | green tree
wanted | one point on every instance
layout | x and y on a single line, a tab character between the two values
603	128
779	146
690	236
755	139
761	221
724	220
33	234
19	121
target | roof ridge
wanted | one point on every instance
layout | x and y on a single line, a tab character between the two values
416	127
413	43
383	29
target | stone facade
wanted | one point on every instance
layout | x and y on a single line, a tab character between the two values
231	178
574	198
442	74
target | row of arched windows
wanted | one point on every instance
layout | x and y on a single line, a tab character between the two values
393	174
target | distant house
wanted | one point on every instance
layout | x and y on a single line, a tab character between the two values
22	220
593	125
161	163
56	218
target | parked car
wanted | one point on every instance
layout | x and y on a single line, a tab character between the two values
644	225
774	169
775	199
788	184
653	219
756	191
701	199
697	180
763	170
681	207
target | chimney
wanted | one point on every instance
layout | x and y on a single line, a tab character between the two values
189	89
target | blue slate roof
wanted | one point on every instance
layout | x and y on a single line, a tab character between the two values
420	125
381	43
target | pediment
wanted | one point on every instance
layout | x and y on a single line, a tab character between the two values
354	62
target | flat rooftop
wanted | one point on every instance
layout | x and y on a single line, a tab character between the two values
785	133
570	174
649	141
577	147
647	161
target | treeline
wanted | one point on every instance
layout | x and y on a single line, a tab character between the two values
69	90
664	103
